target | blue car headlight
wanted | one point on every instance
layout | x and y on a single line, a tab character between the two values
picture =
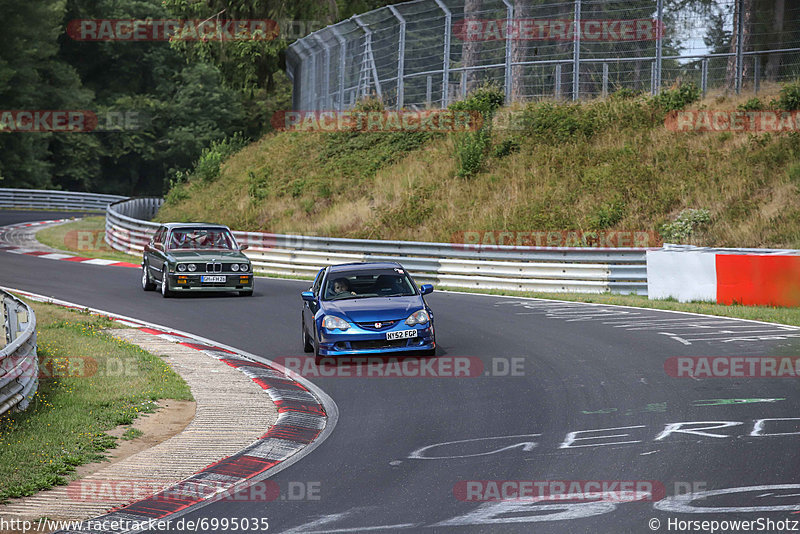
331	322
418	317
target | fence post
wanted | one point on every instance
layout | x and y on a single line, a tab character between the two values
739	45
428	90
312	93
558	81
605	80
653	78
326	83
508	73
576	51
659	43
704	76
756	74
369	60
463	88
448	27
401	56
342	65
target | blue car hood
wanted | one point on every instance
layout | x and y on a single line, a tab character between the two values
374	308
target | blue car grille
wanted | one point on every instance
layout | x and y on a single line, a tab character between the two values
377	344
384	325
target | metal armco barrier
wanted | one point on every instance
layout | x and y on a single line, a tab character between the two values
55	200
19	364
544	269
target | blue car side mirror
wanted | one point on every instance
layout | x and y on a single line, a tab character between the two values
425	289
307	296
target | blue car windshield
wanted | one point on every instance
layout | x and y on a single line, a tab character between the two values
368	283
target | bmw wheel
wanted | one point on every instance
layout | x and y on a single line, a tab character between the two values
147	283
165	292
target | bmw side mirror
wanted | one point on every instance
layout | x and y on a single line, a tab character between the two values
308	296
244	247
425	289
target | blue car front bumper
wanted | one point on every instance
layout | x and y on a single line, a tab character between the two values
356	340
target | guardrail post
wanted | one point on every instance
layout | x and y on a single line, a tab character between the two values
448	28
401	55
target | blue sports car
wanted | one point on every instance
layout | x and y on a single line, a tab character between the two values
357	308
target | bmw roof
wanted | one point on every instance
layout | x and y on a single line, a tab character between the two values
172	225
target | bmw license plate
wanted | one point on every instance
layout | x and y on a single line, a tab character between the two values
402	334
212	279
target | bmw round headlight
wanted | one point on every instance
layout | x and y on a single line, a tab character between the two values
181	267
192	267
235	267
245	267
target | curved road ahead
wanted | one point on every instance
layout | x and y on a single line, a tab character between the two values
404	447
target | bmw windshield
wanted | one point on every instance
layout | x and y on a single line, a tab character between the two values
368	283
201	239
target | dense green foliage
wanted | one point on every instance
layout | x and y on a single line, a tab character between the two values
178	98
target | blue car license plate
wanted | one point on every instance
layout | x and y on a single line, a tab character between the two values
402	334
212	279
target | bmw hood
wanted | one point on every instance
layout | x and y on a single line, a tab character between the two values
374	308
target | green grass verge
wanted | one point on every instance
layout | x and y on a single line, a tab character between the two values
90	382
85	237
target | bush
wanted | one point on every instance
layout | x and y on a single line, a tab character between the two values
754	104
471	147
505	148
623	94
208	166
678	98
688	222
789	98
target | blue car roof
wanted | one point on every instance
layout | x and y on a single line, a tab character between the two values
360	266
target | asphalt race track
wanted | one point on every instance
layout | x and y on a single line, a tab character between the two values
405	447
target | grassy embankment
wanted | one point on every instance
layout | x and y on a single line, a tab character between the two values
89	384
85	237
601	165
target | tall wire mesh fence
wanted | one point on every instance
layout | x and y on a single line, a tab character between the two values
429	53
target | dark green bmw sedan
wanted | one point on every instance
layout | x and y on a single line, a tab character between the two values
189	257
